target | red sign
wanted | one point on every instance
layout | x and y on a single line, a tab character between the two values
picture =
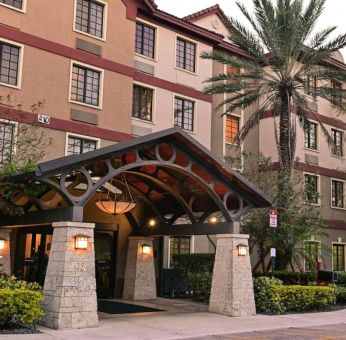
273	218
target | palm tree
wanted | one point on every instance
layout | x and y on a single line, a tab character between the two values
284	56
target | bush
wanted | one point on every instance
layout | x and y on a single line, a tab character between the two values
341	279
290	278
20	303
200	284
194	263
340	292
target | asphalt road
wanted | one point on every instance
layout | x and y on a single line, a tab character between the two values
329	332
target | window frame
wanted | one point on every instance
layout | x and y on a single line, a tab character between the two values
344	246
22	10
180	37
156	29
153	104
331	193
338	99
20	63
191	251
75	135
14	124
194	118
317	137
239	124
104	21
311	90
92	68
318	192
319	244
332	130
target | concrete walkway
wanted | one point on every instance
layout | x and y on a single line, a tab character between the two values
179	323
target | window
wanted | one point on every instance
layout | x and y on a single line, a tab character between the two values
338	257
77	145
232	129
179	245
90	17
311	255
85	85
184	113
142	107
13	3
337	147
186	55
311	188
338	199
145	40
311	86
232	70
310	136
336	95
9	64
6	140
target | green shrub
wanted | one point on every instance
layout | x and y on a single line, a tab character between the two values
194	263
200	284
290	278
12	282
340	292
341	279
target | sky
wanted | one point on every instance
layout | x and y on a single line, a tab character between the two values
334	13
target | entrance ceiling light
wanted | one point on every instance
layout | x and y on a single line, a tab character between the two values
152	223
117	201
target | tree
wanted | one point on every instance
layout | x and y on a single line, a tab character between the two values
19	153
284	57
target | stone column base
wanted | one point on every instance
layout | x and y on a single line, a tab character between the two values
5	254
140	283
232	288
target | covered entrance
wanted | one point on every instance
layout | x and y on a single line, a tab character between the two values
177	188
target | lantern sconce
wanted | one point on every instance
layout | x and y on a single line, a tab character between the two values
2	243
242	249
81	242
146	249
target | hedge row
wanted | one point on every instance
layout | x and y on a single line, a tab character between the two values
194	263
341	279
289	278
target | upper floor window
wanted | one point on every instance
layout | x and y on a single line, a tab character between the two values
232	129
90	17
85	85
184	111
179	245
338	194
142	107
311	188
336	95
9	64
186	55
310	136
338	257
311	86
337	147
145	40
77	145
6	140
13	3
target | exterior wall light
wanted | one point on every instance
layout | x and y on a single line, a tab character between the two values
2	244
146	249
242	249
213	219
152	223
81	242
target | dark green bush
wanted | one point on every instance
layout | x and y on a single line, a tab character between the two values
340	292
290	278
200	284
194	263
341	279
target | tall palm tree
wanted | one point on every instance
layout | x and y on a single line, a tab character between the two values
285	55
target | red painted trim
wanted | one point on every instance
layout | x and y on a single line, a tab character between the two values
131	9
313	115
336	224
216	9
167	85
63	125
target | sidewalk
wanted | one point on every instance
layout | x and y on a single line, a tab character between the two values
173	325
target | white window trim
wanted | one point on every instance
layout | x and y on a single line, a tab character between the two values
20	64
22	10
331	193
194	131
318	188
317	136
240	125
319	252
340	244
342	141
153	114
104	23
77	63
75	135
148	23
178	36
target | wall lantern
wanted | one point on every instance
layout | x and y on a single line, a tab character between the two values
242	249
146	249
2	244
81	242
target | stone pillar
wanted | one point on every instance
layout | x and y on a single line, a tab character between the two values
140	283
70	285
5	254
232	288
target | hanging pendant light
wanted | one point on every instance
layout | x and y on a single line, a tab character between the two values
120	204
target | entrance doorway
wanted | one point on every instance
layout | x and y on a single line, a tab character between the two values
105	250
32	253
